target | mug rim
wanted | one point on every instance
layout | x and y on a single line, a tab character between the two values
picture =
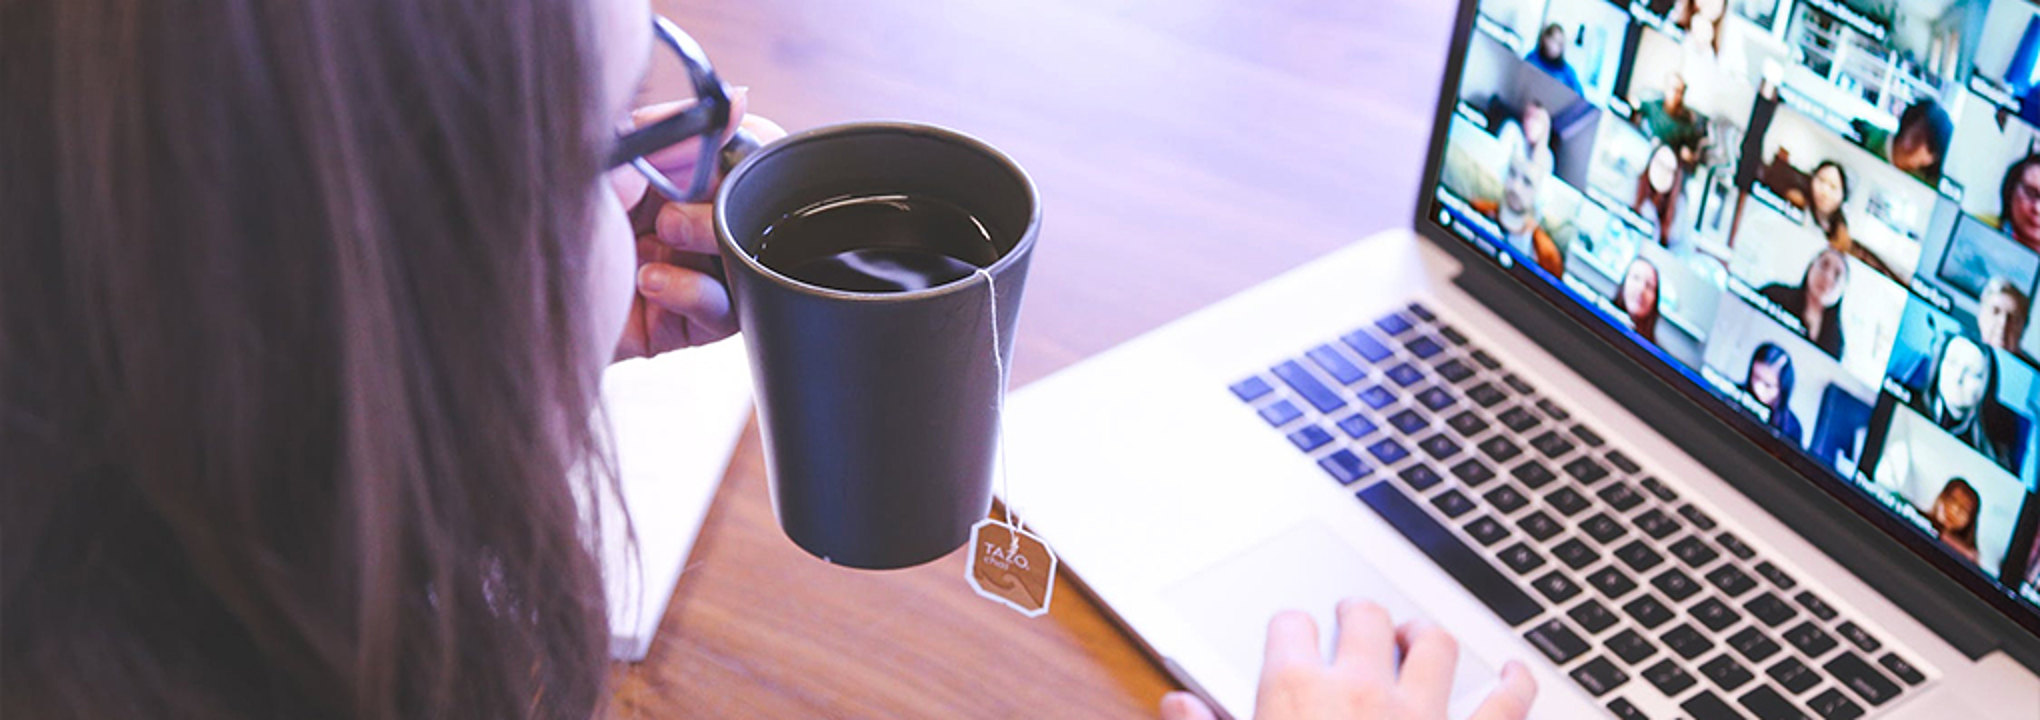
732	252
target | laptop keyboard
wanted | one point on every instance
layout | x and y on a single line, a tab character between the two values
1642	595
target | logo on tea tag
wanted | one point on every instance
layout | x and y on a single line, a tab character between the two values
1011	566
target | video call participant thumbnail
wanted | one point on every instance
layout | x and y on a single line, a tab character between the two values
1816	301
1964	500
1964	389
1786	383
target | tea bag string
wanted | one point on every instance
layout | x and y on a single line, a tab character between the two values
999	409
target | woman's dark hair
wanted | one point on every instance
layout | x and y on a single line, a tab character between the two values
1665	204
1770	353
1647	325
1927	115
1959	486
2011	185
1829	223
291	371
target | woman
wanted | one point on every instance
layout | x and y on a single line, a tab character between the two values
1827	188
1769	381
1953	516
1657	191
2001	313
1816	302
1639	298
301	320
2019	202
1960	396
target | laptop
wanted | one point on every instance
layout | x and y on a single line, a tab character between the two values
1702	381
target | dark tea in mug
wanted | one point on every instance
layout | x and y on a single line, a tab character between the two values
878	243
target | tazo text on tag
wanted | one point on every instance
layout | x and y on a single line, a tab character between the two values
1011	566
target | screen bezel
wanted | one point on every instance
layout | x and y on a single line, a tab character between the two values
1616	339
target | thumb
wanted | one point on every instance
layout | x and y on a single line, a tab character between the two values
1180	705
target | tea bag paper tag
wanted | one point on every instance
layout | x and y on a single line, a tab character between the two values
1011	566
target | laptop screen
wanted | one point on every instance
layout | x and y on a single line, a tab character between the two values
1823	213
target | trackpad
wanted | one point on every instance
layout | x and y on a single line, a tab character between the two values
1306	568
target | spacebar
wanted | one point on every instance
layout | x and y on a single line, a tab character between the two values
1469	568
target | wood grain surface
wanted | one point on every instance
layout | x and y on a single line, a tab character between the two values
1184	150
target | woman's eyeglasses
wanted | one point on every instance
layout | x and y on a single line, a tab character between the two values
708	118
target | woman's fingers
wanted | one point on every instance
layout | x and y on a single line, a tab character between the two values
683	307
1429	656
1511	699
688	227
1185	706
1366	642
1292	641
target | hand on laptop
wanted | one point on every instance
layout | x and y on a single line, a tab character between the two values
1363	681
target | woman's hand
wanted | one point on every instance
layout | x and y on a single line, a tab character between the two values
680	301
1363	681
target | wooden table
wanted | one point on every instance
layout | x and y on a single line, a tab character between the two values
1184	150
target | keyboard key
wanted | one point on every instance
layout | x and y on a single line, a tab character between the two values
1695	515
1388	451
1686	642
1855	634
1767	704
1793	675
1420	477
1534	474
1520	385
1904	670
1853	672
1621	496
1472	571
1726	672
1774	611
1625	710
1693	551
1377	397
1731	580
1518	419
1520	558
1592	616
1591	438
1500	448
1567	501
1753	644
1623	463
1439	446
1344	466
1575	554
1280	413
1335	364
1451	334
1486	395
1551	444
1309	437
1833	705
1409	422
1647	611
1308	387
1422	313
1454	371
1552	409
1598	676
1485	360
1506	499
1810	639
1436	398
1539	525
1364	343
1467	423
1657	487
1714	614
1656	524
1424	347
1486	531
1638	555
1707	706
1611	581
1602	528
1668	677
1251	389
1452	503
1586	470
1815	605
1675	585
1734	545
1777	577
1630	646
1357	427
1555	587
1556	641
1472	472
1394	324
1404	375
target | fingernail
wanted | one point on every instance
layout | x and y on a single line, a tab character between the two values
652	280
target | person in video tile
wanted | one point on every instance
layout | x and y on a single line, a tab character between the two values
1958	397
2001	313
1953	516
1673	123
1701	19
2019	198
1770	381
1817	301
1533	130
1827	189
1549	56
1657	191
1921	143
1639	298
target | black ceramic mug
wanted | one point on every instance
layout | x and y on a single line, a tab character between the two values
879	410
